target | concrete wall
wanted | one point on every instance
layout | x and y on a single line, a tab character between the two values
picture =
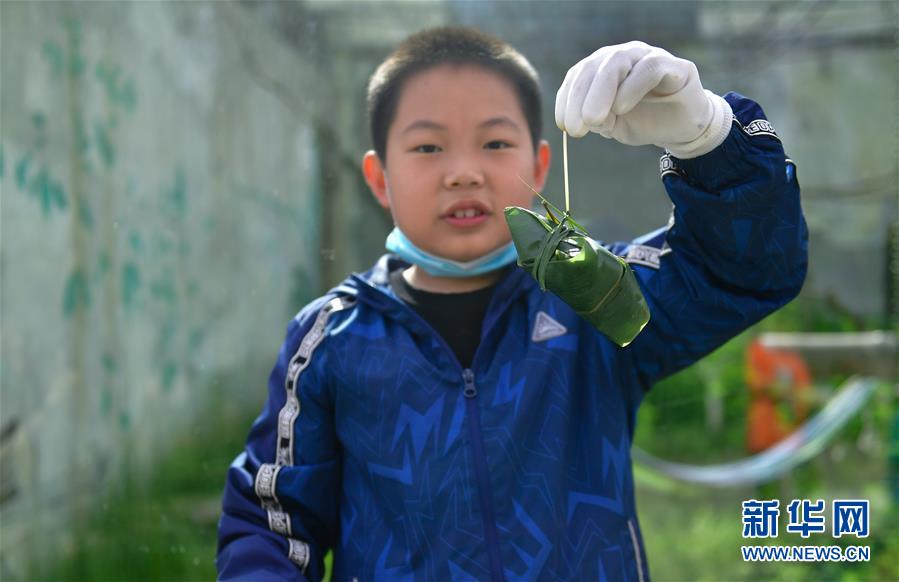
160	204
827	76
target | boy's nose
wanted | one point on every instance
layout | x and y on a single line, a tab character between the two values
463	178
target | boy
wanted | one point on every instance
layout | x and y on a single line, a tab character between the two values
439	417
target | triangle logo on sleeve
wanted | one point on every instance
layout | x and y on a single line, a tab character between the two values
545	327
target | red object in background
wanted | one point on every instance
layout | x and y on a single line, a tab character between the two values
774	377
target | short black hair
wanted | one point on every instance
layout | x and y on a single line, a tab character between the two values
448	45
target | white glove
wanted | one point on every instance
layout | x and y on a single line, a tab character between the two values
639	94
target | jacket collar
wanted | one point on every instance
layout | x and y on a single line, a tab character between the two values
373	287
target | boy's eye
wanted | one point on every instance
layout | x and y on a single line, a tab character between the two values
427	149
498	145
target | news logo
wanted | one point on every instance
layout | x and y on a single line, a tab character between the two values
760	518
806	517
848	517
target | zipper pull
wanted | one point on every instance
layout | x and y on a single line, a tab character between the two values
470	390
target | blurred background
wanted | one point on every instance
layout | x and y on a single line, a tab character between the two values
180	178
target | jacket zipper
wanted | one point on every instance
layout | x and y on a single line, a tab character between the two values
485	494
470	392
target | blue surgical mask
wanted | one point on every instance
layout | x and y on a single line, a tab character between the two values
440	267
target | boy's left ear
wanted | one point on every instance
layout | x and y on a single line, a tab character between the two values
375	177
541	164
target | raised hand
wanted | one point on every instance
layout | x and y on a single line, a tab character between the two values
638	94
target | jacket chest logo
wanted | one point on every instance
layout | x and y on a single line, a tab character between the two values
545	327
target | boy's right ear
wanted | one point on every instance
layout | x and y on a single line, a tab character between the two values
375	177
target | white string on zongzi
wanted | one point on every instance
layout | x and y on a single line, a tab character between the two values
565	168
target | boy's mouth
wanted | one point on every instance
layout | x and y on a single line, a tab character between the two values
466	213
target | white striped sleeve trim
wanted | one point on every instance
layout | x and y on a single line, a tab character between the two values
266	482
298	552
758	127
667	167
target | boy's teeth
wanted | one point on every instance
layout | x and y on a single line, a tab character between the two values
471	212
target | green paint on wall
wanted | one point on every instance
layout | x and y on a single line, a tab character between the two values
169	373
39	120
103	263
85	214
73	27
107	73
104	143
48	191
83	140
77	64
164	290
125	420
135	241
109	362
130	283
2	163
119	90
59	195
53	54
128	95
178	193
76	294
21	171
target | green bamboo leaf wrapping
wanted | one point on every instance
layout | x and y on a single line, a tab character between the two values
598	285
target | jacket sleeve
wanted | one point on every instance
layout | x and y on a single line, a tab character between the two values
279	511
735	249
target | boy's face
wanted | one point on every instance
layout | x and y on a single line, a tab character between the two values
456	147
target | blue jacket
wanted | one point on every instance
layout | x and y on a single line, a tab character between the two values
376	443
